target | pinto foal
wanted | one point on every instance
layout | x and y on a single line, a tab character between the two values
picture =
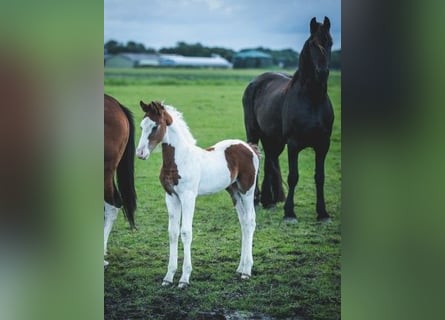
188	171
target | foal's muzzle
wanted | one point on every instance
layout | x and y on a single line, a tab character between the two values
142	154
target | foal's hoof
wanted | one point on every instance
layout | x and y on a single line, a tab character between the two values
290	220
183	285
166	283
245	276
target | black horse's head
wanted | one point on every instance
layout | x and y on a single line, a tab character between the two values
317	50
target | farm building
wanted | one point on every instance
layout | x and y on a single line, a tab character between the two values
174	60
140	60
252	59
131	60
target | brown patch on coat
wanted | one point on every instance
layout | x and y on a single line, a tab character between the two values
240	163
169	175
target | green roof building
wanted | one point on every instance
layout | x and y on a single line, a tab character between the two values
252	59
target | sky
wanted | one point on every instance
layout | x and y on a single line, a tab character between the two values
232	24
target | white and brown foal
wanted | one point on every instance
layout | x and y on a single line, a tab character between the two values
189	171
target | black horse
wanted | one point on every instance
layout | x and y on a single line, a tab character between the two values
280	109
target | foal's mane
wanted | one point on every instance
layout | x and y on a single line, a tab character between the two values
180	125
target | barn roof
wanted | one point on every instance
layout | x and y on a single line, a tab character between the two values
138	56
178	60
252	54
174	60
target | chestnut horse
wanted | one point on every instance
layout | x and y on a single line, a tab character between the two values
118	159
280	109
189	171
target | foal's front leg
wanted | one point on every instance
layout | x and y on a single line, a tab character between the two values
174	214
188	200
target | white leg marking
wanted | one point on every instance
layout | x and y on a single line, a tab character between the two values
188	200
110	214
174	214
246	215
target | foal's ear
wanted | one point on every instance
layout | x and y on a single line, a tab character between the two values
326	23
143	106
314	25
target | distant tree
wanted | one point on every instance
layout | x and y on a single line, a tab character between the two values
335	59
134	47
113	47
197	50
287	58
223	52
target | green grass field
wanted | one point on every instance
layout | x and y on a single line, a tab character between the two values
296	272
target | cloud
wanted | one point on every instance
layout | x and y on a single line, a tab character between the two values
229	23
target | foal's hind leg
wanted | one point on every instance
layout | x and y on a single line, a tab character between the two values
246	215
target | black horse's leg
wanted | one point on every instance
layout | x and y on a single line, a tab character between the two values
277	182
320	155
292	180
266	187
257	193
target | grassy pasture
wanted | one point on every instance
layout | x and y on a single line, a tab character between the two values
296	272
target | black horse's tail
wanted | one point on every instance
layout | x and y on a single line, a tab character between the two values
125	173
250	123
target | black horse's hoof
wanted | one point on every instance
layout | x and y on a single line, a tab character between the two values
324	220
269	206
323	216
290	220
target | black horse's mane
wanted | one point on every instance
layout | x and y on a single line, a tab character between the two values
302	74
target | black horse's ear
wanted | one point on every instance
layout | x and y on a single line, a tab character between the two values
327	23
314	25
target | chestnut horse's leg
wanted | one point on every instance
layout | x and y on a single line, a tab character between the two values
174	215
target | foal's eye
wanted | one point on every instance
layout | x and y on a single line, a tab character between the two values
155	128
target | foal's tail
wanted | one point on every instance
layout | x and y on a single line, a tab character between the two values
125	173
255	149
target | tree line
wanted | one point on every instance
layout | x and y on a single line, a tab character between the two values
287	58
